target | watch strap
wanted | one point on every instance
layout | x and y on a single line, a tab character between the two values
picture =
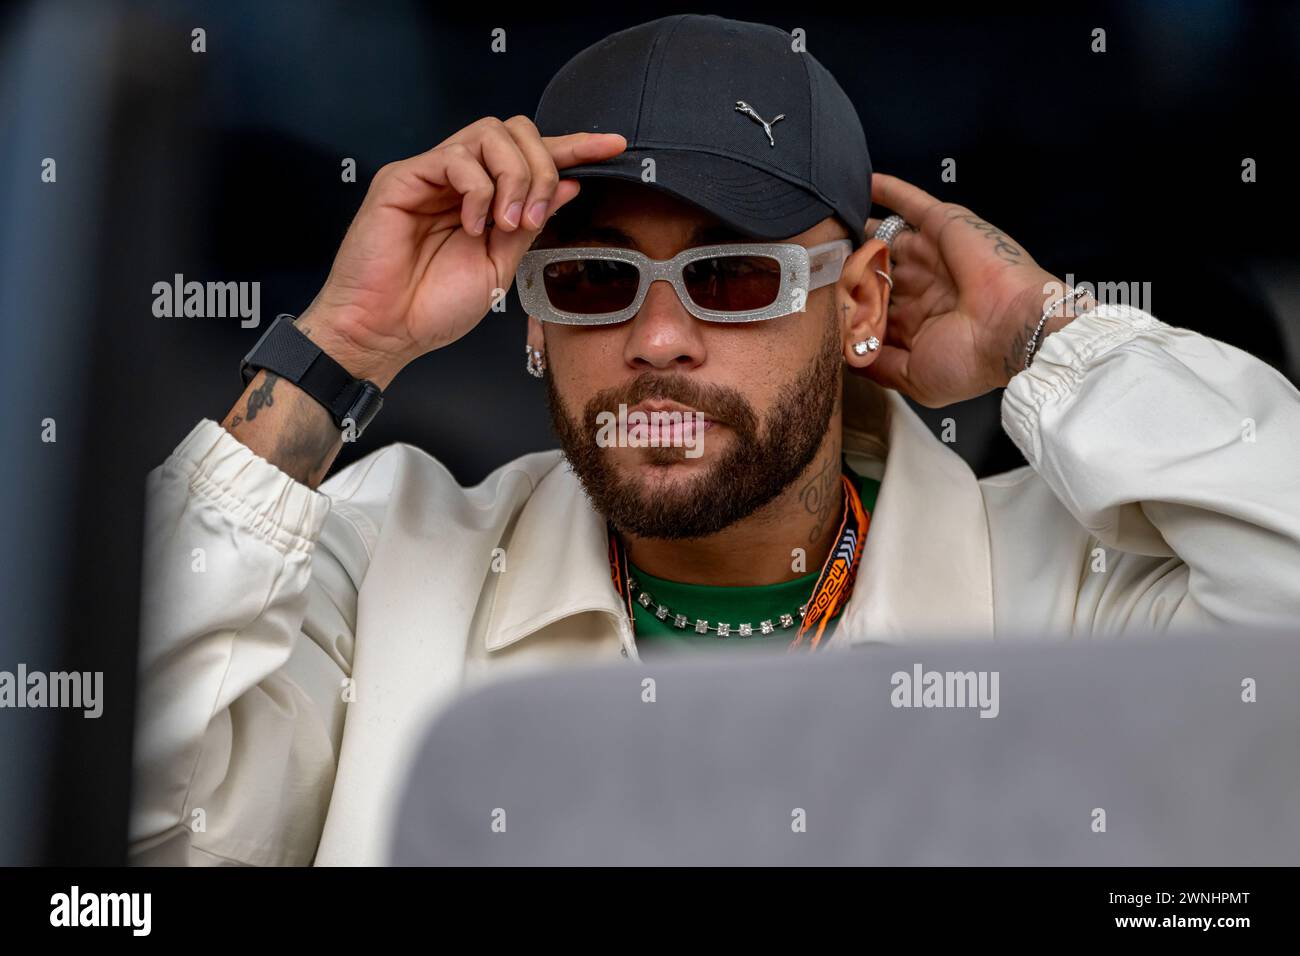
290	354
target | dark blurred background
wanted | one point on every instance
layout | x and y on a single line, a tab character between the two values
1123	166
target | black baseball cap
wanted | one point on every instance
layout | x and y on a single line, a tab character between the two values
699	94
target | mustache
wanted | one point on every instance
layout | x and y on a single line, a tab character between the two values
724	405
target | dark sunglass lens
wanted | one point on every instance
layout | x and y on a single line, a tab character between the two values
591	286
733	283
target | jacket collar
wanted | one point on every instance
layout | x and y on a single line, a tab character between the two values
560	555
925	570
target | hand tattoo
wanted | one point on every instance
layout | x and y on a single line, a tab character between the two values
1003	247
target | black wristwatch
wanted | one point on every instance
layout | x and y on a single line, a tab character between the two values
288	353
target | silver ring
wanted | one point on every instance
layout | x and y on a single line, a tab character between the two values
888	230
887	277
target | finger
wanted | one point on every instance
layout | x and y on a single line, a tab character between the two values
456	166
911	278
420	184
465	174
545	177
897	332
889	369
509	169
909	245
567	190
910	202
904	244
575	149
490	142
506	249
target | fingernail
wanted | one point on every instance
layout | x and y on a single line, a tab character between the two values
513	213
478	226
537	212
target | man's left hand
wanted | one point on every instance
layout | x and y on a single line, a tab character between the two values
966	300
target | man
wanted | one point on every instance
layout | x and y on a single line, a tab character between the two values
767	486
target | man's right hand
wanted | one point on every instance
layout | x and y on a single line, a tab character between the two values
418	268
435	238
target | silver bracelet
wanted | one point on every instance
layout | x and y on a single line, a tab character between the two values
1032	348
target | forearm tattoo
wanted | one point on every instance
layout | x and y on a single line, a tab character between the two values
1014	360
305	443
260	397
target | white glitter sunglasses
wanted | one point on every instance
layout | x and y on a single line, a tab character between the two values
735	282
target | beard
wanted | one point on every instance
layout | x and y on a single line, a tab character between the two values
760	464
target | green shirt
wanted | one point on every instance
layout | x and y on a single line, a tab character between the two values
731	605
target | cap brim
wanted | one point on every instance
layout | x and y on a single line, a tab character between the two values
753	202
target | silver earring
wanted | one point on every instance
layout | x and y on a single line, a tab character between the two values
870	345
886	276
535	362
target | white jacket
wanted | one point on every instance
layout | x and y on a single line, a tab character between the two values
1163	492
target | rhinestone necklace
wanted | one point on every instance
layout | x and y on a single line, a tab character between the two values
682	622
